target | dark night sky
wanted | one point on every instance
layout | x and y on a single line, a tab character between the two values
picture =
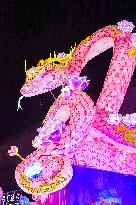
31	30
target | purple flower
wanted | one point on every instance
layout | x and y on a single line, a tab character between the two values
67	82
84	85
76	82
125	26
55	136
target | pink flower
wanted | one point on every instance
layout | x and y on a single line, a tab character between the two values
125	26
13	151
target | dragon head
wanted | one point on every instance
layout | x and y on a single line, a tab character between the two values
47	75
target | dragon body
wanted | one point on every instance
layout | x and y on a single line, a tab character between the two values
75	131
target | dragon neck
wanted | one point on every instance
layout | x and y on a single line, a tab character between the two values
121	67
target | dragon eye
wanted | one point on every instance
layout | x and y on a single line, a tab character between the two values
56	62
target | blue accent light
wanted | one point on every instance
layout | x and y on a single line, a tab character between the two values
34	171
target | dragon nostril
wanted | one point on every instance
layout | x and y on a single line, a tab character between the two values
67	122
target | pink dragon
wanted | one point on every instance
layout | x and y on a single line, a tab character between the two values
75	131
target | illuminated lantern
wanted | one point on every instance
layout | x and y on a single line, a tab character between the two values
75	130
